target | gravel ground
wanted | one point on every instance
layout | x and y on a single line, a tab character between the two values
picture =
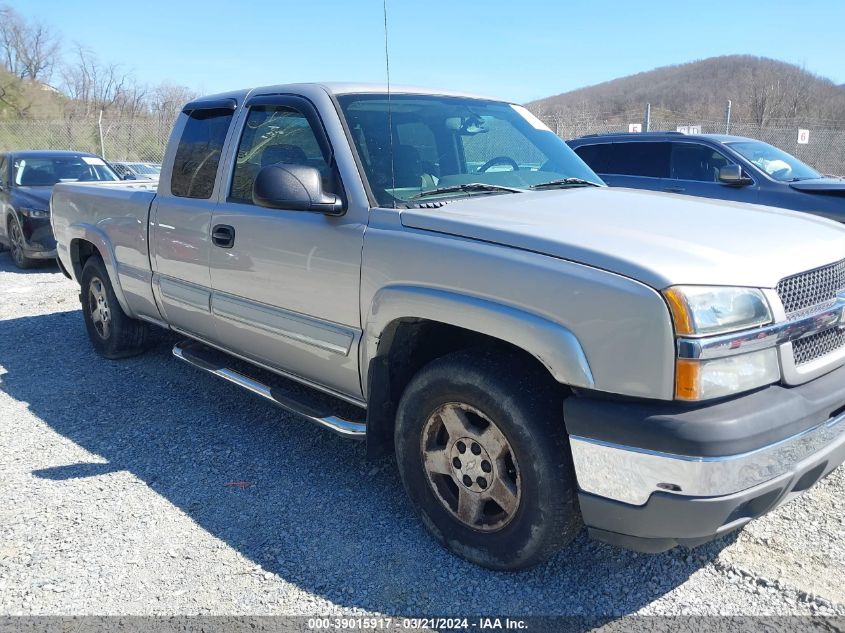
117	499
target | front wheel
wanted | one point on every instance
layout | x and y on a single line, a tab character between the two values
16	246
483	455
112	332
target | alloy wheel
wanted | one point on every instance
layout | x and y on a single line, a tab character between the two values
98	307
16	239
471	467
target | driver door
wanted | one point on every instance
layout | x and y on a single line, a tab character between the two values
286	283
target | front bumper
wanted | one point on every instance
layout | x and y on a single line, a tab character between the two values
39	241
653	475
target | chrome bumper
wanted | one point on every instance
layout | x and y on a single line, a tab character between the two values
631	475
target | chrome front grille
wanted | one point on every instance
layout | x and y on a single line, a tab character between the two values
813	289
806	293
817	345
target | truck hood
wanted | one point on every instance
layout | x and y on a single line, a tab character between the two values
827	185
658	239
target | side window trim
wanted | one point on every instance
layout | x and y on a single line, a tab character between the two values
308	110
296	102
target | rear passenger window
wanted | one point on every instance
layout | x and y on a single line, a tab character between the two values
198	153
276	134
627	159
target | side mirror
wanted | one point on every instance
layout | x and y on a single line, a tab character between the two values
732	175
294	187
128	176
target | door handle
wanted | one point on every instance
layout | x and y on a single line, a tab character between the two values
674	190
223	236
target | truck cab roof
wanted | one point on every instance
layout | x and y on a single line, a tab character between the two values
336	88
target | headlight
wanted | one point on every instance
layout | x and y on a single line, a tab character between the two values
700	310
719	377
34	213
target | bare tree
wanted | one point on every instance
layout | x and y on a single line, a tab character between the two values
29	49
166	101
91	85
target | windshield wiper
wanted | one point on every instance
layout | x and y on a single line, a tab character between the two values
565	182
468	187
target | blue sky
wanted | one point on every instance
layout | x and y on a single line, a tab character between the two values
516	49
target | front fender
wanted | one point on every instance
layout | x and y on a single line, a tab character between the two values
552	344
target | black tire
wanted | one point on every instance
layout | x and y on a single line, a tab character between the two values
123	336
525	404
15	233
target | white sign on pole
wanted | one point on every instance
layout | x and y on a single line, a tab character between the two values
683	129
803	137
635	128
689	129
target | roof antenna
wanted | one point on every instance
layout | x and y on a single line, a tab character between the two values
389	110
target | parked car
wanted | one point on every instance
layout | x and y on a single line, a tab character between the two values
136	171
713	166
536	347
26	181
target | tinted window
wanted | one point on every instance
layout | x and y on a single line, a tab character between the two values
4	166
198	153
46	171
275	134
416	145
776	163
627	159
692	161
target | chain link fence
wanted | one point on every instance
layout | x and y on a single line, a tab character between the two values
144	139
134	140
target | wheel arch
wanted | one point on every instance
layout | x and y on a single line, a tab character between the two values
408	327
86	241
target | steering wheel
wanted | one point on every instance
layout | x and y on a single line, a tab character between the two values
498	160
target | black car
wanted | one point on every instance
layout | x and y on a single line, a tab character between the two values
26	182
712	166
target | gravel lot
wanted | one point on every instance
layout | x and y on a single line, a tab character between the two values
115	480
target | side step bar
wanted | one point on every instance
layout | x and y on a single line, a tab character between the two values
207	359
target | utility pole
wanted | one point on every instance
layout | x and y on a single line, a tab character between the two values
728	118
647	121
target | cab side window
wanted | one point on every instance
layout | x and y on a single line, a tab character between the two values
275	134
198	153
693	161
4	172
634	158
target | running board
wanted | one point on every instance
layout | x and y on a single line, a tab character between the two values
209	360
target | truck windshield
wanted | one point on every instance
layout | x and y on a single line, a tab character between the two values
44	171
776	163
447	147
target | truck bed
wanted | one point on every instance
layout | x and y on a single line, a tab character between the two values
114	217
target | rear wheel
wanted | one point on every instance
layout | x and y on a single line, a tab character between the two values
16	246
483	455
112	332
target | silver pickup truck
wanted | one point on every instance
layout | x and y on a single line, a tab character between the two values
450	281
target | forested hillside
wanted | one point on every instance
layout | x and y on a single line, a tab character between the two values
763	92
